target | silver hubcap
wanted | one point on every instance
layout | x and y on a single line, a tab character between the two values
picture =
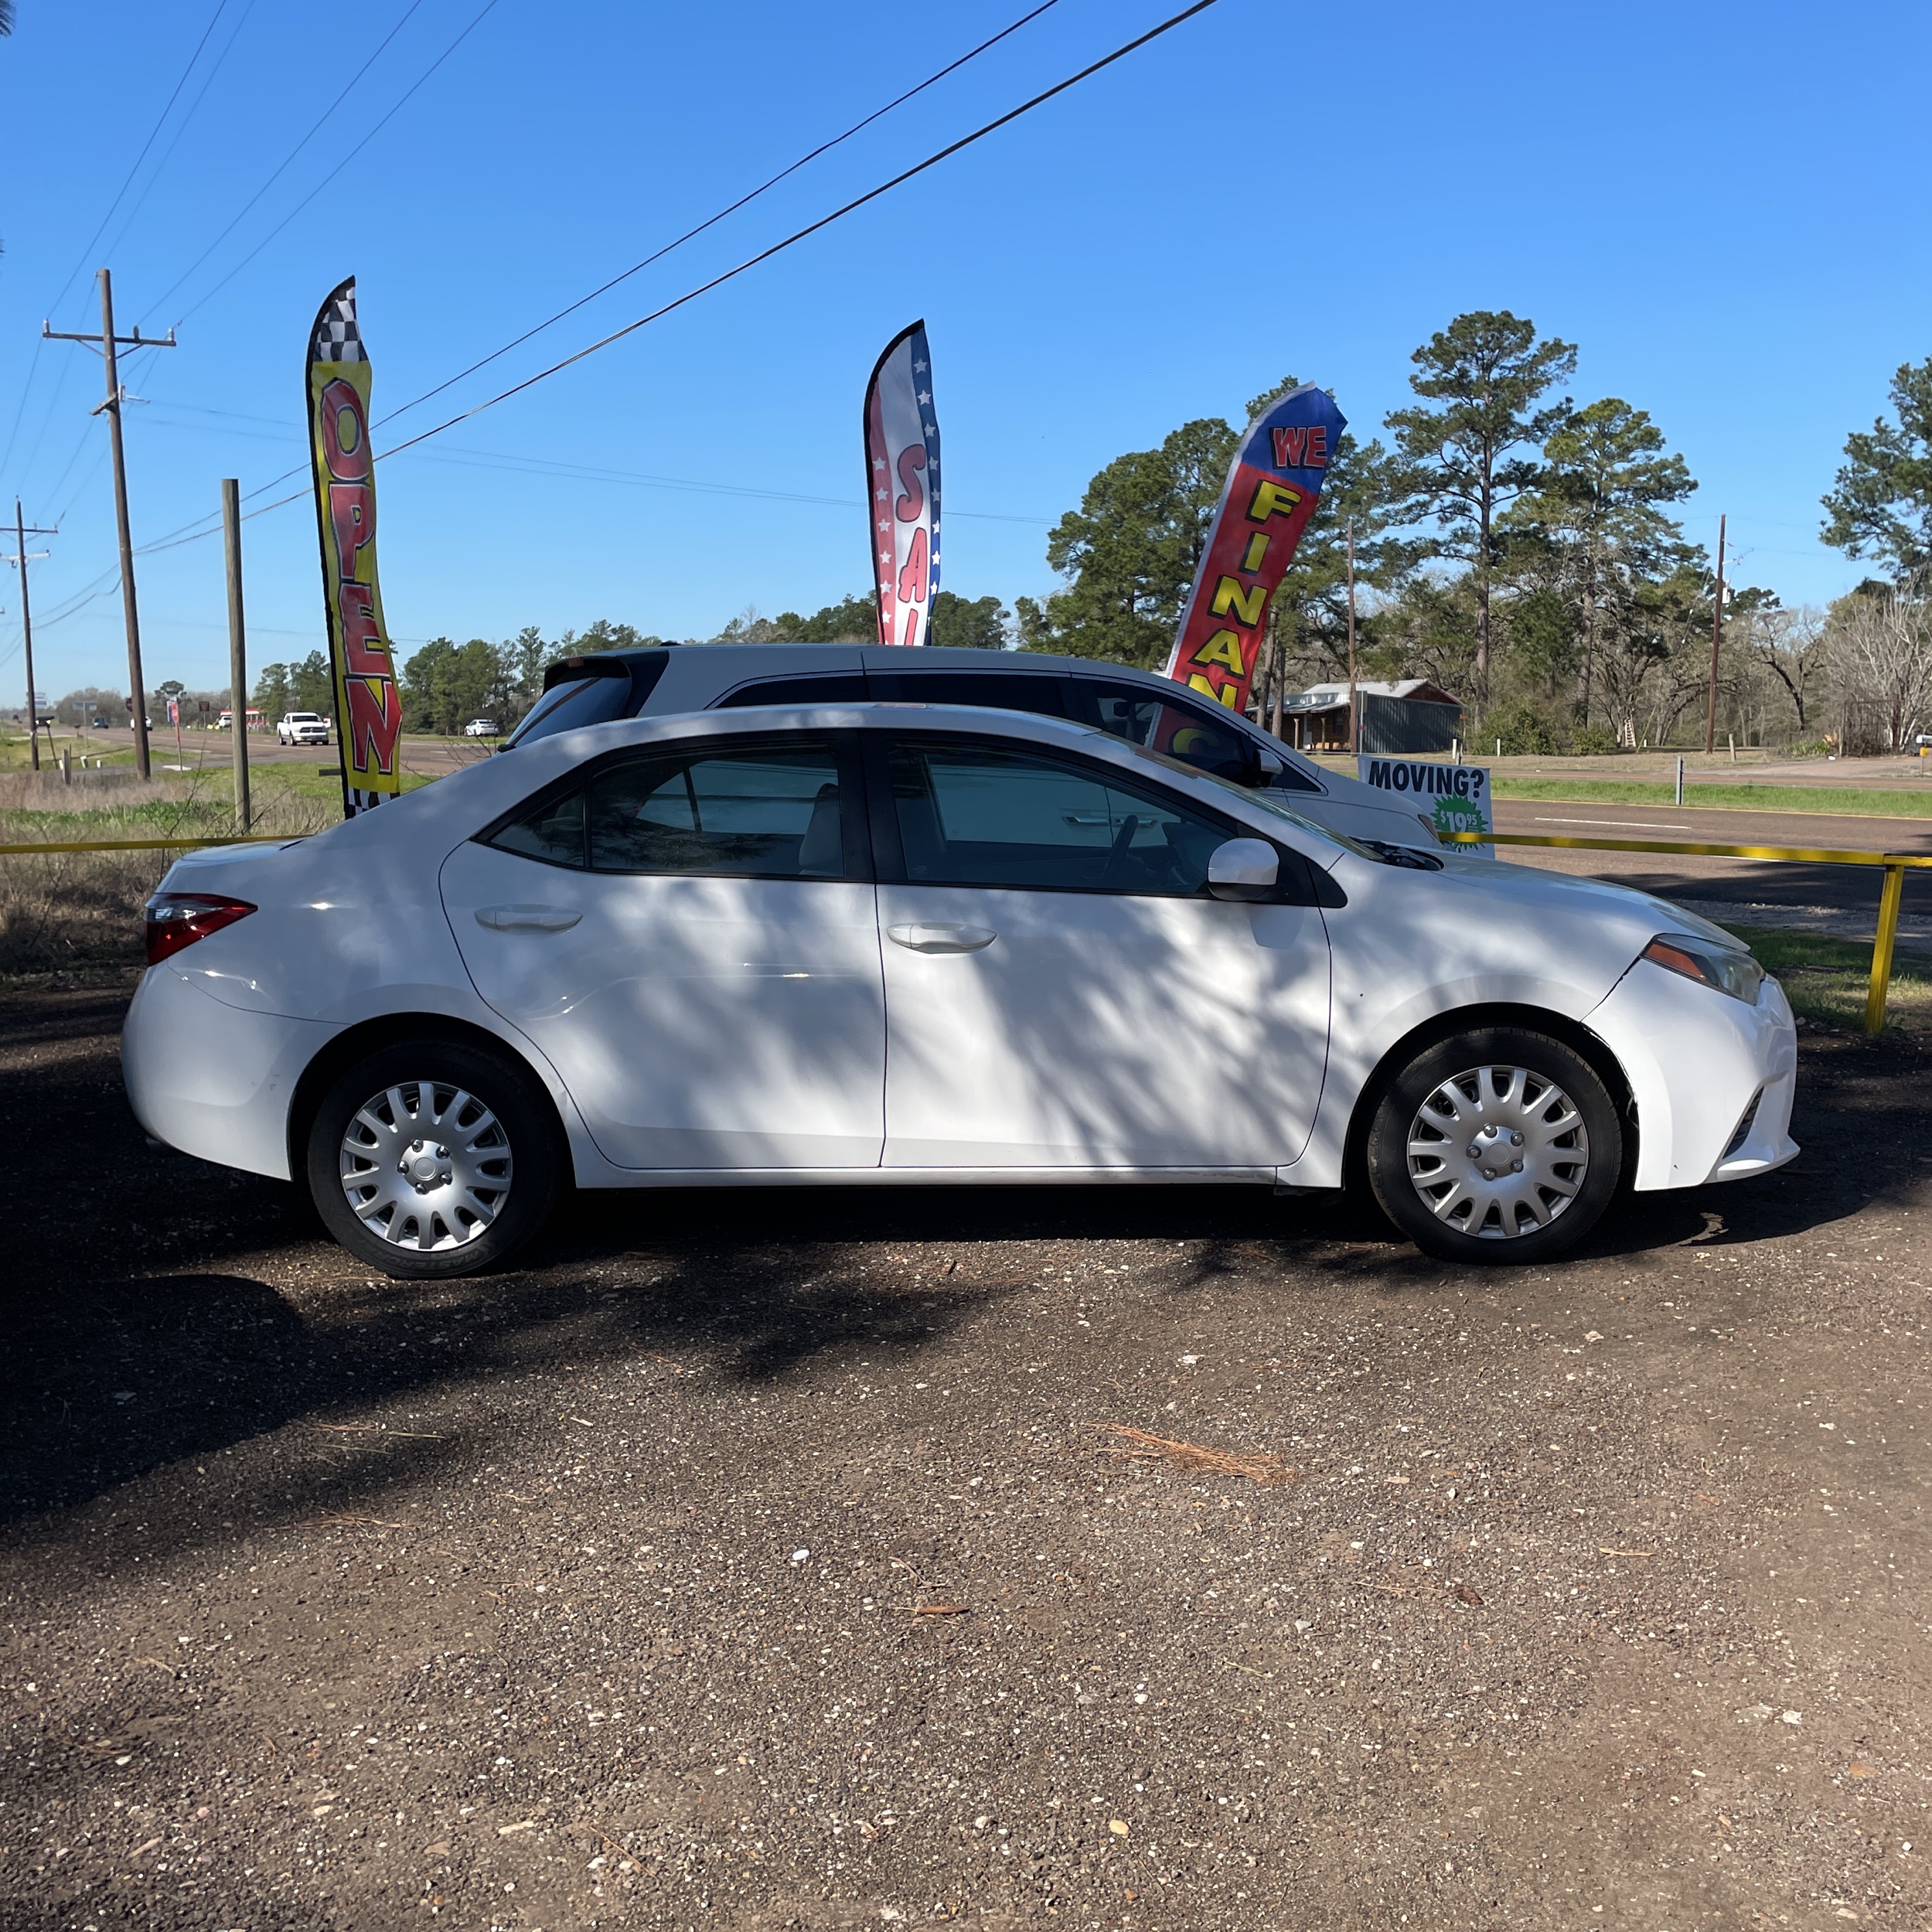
1498	1152
425	1165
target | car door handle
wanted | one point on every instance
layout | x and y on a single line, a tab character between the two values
527	919
924	937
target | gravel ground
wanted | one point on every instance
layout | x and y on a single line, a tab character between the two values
774	1560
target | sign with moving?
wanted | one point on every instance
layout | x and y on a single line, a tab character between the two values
1453	798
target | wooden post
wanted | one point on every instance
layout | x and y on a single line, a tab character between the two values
1355	732
237	647
1717	632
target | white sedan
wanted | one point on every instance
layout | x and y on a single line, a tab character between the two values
882	944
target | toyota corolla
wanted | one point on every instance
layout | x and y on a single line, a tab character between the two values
878	944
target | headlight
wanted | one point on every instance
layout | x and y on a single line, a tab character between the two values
1736	973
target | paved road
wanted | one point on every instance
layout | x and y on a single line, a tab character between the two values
1841	899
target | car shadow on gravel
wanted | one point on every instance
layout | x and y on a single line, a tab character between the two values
133	1345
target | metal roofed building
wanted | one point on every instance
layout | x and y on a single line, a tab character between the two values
1405	715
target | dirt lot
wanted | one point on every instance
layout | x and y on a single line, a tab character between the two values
777	1561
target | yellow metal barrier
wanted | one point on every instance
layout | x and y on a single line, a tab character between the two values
162	845
1897	865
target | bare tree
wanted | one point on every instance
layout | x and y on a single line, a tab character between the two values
1794	647
1882	638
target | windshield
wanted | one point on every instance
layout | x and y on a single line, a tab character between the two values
1272	802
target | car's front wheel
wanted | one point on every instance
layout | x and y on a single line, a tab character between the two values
1498	1144
434	1159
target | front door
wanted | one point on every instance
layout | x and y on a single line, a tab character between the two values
1060	992
688	934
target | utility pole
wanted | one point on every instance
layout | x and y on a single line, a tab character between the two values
21	531
1355	729
1717	631
238	646
106	342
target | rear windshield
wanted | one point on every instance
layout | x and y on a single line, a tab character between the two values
595	698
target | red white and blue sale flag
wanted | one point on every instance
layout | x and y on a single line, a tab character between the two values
1269	498
369	706
902	471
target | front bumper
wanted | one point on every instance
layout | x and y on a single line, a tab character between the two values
1698	1064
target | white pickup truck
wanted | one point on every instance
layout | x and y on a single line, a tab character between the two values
302	727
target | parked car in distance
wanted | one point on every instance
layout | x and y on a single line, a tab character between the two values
1135	707
302	727
888	943
480	727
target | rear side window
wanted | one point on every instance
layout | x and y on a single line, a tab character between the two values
985	816
827	687
1039	692
771	813
553	833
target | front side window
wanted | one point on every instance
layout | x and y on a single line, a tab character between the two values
987	815
772	812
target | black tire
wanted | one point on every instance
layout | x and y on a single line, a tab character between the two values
489	1150
1463	1198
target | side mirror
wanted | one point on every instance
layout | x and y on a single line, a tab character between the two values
1243	869
1271	766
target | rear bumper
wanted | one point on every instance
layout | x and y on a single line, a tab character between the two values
1714	1080
212	1080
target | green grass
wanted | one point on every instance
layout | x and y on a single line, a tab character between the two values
1842	801
1826	979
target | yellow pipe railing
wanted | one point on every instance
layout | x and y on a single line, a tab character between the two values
1897	865
162	845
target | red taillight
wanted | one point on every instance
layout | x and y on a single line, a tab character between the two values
176	919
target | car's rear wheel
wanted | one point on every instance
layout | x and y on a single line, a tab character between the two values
434	1159
1496	1145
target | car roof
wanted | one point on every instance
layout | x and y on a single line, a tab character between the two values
886	657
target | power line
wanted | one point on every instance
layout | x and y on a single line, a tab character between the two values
812	228
824	147
175	539
86	253
33	365
194	107
334	174
287	160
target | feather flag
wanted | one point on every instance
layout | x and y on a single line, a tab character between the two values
369	708
1270	495
902	486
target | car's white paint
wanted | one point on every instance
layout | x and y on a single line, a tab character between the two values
1093	1036
700	1022
1099	1030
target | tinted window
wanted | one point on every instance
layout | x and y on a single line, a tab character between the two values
1038	692
974	815
553	832
1190	733
828	687
771	813
594	699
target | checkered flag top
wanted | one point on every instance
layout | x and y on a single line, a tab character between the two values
336	339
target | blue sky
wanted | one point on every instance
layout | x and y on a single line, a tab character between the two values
1721	205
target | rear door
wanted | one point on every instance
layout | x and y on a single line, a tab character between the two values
688	934
1061	992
